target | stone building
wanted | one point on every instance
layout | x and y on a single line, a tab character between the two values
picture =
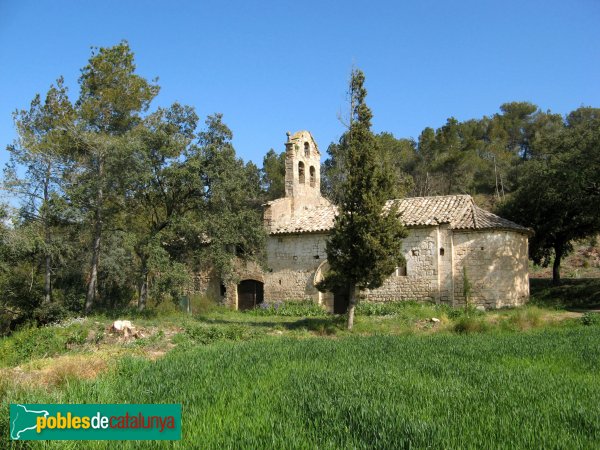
450	239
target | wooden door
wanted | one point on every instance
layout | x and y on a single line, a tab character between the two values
250	294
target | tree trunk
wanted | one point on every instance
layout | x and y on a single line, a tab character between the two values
47	283
48	260
351	306
93	282
558	254
496	176
143	285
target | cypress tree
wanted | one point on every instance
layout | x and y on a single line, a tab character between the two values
365	245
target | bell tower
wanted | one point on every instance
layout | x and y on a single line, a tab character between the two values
302	166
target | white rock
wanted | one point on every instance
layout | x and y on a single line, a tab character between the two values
435	319
120	325
480	308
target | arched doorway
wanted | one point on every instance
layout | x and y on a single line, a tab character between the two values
325	298
335	302
250	293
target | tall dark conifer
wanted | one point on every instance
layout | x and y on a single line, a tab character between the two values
365	245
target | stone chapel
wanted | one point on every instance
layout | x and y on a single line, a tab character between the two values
449	238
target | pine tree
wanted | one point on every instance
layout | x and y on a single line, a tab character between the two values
39	152
111	101
364	247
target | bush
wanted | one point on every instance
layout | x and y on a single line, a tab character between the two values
32	342
590	318
406	309
166	306
524	318
467	324
202	304
50	313
466	311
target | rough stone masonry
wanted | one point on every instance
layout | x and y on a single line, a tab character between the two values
450	239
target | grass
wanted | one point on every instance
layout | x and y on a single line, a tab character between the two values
484	390
571	293
289	376
287	309
162	332
32	342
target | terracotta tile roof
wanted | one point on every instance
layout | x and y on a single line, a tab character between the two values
458	211
309	220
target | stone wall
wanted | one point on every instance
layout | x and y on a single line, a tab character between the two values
292	262
496	264
420	250
445	264
242	270
204	282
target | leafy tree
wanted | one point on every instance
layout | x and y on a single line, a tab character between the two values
397	154
425	154
557	194
401	156
165	186
455	157
364	247
231	216
516	125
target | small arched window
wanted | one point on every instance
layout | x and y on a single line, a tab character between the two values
401	271
306	150
301	172
312	172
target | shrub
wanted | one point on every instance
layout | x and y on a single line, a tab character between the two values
325	326
202	304
32	342
467	311
50	313
590	318
407	309
524	318
166	306
456	313
467	324
380	309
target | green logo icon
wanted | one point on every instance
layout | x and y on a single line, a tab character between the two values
95	422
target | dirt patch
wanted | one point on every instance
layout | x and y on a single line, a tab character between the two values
56	371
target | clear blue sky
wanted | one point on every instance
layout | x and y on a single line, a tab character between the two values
273	66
